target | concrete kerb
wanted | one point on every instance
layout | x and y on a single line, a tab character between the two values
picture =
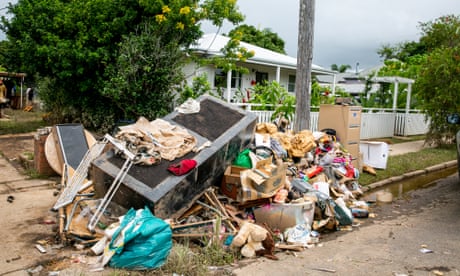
394	179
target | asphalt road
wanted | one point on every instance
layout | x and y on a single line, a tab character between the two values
417	234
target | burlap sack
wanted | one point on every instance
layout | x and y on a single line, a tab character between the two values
284	139
301	143
266	128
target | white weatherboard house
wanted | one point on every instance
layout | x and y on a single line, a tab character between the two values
265	65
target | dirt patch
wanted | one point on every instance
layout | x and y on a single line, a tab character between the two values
17	147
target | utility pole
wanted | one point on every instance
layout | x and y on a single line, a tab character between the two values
304	59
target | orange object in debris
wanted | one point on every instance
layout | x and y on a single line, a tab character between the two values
314	171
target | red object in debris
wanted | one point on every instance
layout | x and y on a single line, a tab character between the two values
313	172
182	167
359	213
350	172
248	94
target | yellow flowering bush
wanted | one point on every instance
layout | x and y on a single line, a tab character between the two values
185	10
180	25
160	18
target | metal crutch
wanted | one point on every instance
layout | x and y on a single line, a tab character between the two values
115	184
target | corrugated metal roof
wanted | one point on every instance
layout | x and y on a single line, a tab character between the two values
12	74
356	88
213	43
393	79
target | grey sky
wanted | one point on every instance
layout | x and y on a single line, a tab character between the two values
346	31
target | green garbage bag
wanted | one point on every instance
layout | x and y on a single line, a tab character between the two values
142	241
243	159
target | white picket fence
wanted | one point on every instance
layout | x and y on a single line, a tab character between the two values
375	123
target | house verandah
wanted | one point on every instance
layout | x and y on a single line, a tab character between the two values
269	66
265	65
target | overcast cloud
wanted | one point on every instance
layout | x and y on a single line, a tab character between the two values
346	31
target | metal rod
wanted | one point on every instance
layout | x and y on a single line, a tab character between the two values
72	212
109	195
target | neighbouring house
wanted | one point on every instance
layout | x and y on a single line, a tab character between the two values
265	65
353	83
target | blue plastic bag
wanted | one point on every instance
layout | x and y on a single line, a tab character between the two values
142	241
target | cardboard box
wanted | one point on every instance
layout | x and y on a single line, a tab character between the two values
275	180
283	216
250	190
245	184
231	183
375	154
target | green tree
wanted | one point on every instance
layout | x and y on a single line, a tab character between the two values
200	86
321	95
433	63
263	38
272	96
142	79
395	67
341	69
441	32
438	82
77	47
438	87
402	51
3	50
387	51
232	52
402	60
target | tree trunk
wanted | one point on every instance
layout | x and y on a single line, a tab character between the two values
304	59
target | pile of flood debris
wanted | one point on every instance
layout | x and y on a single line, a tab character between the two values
279	191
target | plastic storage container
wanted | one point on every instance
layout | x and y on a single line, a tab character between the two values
285	215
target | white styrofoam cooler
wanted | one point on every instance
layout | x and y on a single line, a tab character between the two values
375	154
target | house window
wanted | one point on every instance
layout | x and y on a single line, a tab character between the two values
261	77
236	80
291	83
220	79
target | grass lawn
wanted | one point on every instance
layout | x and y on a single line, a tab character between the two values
400	164
397	140
20	121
